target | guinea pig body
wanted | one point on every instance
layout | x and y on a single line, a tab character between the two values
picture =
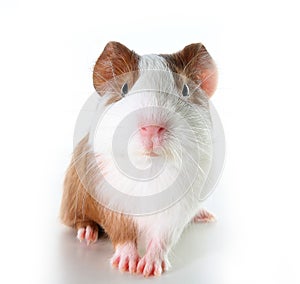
140	170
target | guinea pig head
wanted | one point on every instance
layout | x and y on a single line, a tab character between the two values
156	105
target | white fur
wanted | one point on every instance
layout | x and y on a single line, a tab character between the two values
185	156
125	255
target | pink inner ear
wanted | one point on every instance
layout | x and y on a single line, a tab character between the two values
209	79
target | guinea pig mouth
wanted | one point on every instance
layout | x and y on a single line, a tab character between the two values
156	151
151	154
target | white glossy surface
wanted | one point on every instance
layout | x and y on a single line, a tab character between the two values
200	246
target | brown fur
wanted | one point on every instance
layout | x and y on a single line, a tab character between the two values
79	208
115	66
195	63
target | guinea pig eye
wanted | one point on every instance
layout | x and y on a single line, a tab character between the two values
124	89
185	90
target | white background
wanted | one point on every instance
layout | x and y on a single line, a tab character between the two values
48	49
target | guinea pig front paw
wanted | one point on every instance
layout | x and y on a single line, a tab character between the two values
153	263
125	257
204	216
151	266
88	233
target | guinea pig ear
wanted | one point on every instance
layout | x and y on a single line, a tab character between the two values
195	63
200	67
116	59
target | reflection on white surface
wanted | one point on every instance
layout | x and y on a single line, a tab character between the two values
46	63
197	258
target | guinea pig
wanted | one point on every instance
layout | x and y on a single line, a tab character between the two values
139	172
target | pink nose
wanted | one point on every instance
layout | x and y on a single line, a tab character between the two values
152	135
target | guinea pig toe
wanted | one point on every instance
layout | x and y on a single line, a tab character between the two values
81	234
204	216
91	235
125	257
141	265
132	263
